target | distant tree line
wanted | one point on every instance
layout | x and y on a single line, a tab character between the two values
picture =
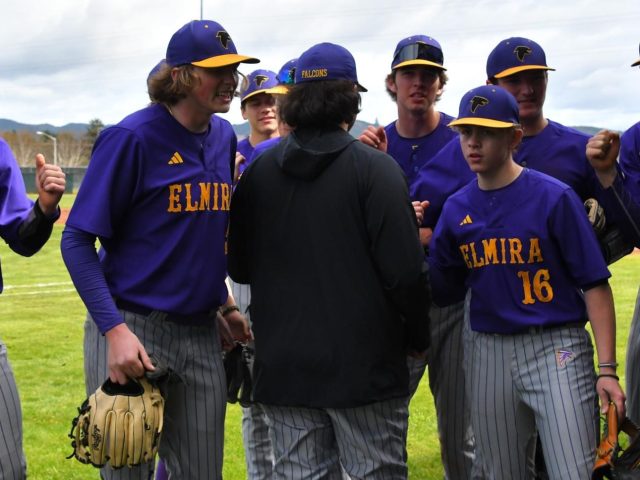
73	150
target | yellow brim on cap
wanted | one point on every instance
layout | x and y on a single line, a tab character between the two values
511	71
224	60
481	122
425	63
636	63
278	90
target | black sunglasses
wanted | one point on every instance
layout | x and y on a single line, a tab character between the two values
419	51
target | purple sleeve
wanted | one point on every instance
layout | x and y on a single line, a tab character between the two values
446	173
81	259
15	206
447	271
630	160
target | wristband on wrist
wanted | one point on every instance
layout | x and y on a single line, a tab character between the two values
609	375
224	311
613	365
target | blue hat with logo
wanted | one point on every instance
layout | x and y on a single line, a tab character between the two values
418	50
261	81
204	43
287	73
514	55
327	61
488	106
636	63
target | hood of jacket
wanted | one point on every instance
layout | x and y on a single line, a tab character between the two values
307	153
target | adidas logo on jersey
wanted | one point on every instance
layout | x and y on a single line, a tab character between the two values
175	159
466	220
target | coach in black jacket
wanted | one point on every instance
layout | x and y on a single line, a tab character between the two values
323	229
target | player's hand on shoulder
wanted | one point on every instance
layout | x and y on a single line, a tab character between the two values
127	357
50	184
602	152
375	137
609	389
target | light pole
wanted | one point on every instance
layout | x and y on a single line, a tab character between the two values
55	145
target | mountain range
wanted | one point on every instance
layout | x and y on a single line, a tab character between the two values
241	129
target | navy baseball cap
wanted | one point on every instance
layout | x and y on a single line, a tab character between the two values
418	50
156	69
636	63
204	43
327	61
514	55
287	73
488	106
261	81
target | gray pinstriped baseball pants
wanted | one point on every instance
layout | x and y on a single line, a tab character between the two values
632	370
195	404
13	465
368	442
447	383
519	385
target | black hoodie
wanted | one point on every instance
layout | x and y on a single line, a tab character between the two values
323	229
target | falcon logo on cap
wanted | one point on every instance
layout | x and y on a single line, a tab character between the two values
260	79
478	101
224	38
521	52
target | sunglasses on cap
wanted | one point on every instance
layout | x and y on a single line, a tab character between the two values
419	51
287	77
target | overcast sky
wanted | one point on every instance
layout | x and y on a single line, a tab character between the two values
65	61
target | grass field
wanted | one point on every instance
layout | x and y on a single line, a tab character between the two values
41	322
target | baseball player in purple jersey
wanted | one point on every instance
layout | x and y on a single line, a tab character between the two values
416	83
518	65
521	242
26	226
156	195
323	230
258	107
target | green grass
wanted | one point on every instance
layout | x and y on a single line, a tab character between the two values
42	327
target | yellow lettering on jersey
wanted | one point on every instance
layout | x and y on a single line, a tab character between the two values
215	195
535	253
464	249
503	250
476	263
490	251
225	197
190	207
174	198
515	250
205	196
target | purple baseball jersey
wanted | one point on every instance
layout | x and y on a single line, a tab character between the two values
412	153
157	196
14	203
246	149
262	146
557	151
524	250
630	160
